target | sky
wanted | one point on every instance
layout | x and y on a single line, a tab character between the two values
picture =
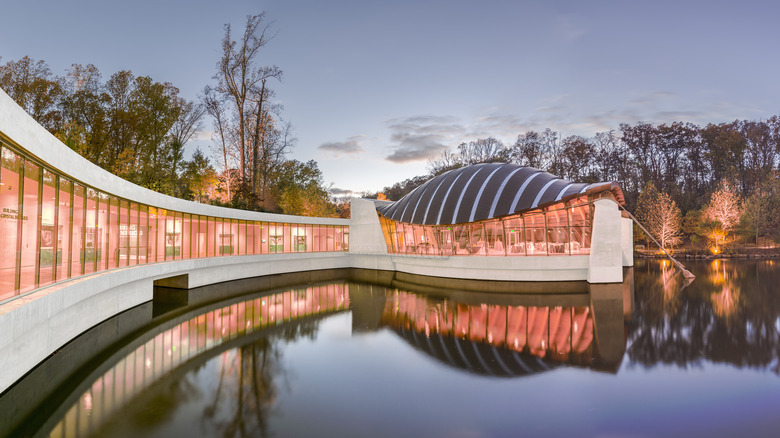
374	89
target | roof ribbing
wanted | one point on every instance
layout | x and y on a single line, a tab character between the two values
483	191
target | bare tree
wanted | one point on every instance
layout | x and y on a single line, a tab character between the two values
245	84
214	106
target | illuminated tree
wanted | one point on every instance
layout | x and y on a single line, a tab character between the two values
660	215
725	209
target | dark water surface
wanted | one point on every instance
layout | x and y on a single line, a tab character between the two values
654	357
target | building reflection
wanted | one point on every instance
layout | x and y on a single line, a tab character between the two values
497	340
174	346
506	336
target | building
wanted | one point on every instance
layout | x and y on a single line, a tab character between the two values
80	245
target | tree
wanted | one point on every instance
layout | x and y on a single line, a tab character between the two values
724	208
33	86
660	215
301	190
199	180
761	210
245	85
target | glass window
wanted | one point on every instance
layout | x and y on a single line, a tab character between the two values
287	238
250	237
242	238
143	234
92	242
49	252
124	233
154	234
102	231
132	235
113	232
186	233
211	240
30	232
557	230
78	250
514	237
64	229
10	223
536	241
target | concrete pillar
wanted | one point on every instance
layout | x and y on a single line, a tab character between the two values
365	233
606	252
627	228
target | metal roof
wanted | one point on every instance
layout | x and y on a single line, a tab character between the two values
485	191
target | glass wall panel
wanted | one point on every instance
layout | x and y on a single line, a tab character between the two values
132	235
186	232
211	233
113	232
30	233
514	236
93	239
234	242
316	238
124	233
250	237
64	229
143	234
557	230
536	240
10	222
242	238
346	238
98	256
202	236
49	254
287	238
494	232
78	250
154	234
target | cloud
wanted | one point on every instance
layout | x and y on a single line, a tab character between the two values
339	192
420	138
351	146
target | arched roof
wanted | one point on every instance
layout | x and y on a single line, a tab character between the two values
475	357
485	191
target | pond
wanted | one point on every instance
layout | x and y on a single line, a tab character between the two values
655	356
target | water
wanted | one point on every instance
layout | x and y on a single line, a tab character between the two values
345	359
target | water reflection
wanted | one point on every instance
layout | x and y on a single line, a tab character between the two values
486	339
245	375
240	368
729	314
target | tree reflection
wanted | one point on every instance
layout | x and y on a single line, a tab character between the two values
730	314
248	386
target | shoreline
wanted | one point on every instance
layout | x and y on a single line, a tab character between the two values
768	253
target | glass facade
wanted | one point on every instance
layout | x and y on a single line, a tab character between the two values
53	229
560	229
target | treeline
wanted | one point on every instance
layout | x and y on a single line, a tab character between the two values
137	128
685	162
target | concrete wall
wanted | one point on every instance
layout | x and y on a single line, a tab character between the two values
606	250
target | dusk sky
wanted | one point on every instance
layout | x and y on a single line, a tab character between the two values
375	89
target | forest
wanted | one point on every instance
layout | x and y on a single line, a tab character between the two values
704	186
137	128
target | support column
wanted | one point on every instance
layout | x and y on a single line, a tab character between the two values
606	252
365	233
